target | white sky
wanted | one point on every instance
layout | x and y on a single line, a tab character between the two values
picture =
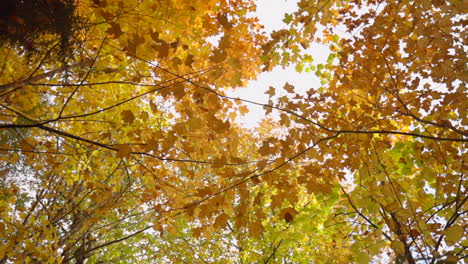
271	14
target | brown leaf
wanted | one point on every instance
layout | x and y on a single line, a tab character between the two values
123	150
256	229
221	220
289	88
189	60
288	214
115	30
218	56
224	21
162	48
127	116
271	91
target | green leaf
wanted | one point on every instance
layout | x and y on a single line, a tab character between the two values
287	18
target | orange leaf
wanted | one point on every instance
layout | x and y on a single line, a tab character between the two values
123	150
256	229
221	220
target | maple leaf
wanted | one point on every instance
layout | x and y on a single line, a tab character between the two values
243	109
288	214
224	21
256	229
454	234
123	150
271	91
127	116
153	107
162	48
178	90
218	56
221	220
115	30
189	60
289	88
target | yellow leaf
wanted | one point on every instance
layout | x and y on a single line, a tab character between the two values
218	56
243	109
453	234
398	247
225	43
362	257
2	251
152	145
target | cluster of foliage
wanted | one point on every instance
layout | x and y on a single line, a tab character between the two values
28	22
127	150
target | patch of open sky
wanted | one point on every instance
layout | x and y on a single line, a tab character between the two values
271	14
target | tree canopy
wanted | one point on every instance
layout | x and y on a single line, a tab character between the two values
119	141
